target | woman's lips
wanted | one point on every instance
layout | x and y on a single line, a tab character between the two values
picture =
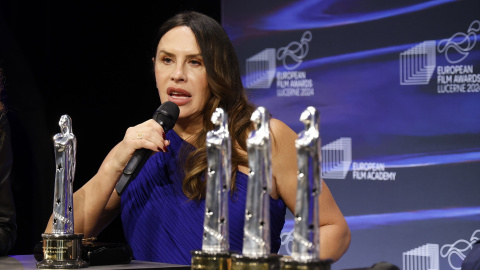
178	96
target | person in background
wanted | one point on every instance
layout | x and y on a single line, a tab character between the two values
472	260
8	226
162	210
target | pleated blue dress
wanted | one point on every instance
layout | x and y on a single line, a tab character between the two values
162	225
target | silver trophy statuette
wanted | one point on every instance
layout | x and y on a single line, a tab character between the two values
215	245
215	236
306	234
62	247
256	238
65	145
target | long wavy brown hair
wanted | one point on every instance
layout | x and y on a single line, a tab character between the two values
227	92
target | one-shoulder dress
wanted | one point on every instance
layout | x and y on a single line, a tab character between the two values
161	224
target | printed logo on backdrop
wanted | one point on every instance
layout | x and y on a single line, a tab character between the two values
459	250
337	160
427	257
422	258
262	69
418	64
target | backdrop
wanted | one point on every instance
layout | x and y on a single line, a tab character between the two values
397	84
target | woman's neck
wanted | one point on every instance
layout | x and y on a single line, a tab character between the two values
188	129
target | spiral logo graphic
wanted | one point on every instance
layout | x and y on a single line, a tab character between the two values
295	51
459	248
460	43
287	241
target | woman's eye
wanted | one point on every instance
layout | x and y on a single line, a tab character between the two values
167	60
195	62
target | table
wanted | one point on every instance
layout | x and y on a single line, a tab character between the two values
28	262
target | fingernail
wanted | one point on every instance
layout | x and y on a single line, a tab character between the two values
164	136
160	149
165	149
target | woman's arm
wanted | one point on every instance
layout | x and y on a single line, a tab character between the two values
97	203
334	231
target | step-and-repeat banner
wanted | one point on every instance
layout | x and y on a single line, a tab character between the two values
397	84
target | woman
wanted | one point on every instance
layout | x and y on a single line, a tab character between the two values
195	67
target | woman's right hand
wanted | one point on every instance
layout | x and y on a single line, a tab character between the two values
149	135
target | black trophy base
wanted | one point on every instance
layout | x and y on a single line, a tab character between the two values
62	251
269	262
210	261
290	264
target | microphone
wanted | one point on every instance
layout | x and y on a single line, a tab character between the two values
166	115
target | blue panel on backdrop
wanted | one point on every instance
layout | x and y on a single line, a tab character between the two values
397	84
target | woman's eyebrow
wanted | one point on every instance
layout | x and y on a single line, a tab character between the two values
188	55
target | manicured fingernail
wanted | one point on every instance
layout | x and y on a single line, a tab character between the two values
165	149
164	136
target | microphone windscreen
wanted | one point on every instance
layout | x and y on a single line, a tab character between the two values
166	115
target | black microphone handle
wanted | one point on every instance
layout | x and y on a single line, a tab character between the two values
139	158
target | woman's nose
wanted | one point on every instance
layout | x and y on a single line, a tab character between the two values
178	74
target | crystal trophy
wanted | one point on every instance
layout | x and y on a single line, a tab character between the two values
215	244
306	234
62	247
256	238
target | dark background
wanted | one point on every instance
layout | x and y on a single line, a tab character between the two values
90	60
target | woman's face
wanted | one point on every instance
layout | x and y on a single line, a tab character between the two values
180	73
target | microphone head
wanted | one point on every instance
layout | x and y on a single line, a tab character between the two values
167	115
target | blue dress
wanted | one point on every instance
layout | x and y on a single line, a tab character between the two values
161	224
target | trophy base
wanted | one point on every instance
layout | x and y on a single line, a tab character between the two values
269	262
210	261
288	263
62	251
